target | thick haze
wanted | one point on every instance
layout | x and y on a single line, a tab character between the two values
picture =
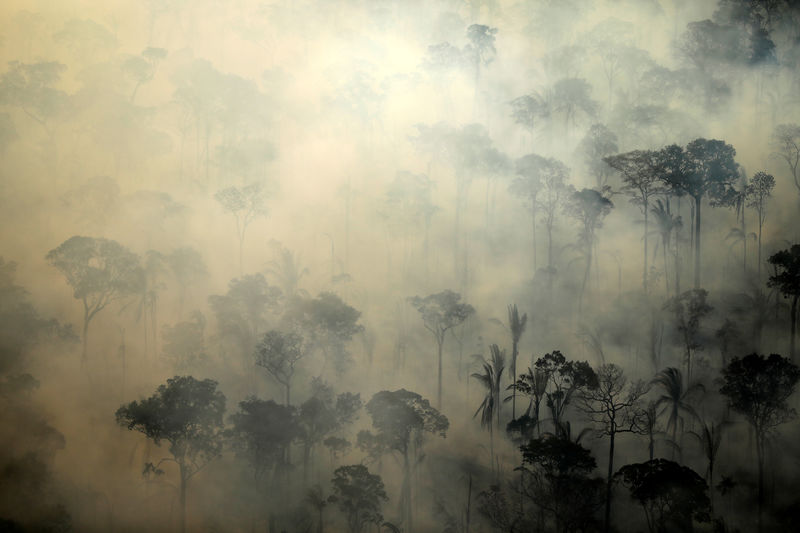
383	145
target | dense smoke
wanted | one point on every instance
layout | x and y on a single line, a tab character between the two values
384	265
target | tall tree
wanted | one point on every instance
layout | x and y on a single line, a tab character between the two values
614	408
787	280
565	380
689	309
760	190
358	494
100	272
759	388
598	143
786	140
187	414
640	172
705	169
401	418
490	379
675	399
589	207
480	49
440	313
516	325
278	352
668	493
245	204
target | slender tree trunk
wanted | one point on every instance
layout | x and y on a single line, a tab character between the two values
288	385
469	504
184	477
793	327
86	320
533	227
440	341
607	523
760	224
644	273
744	243
698	201
760	459
407	494
514	380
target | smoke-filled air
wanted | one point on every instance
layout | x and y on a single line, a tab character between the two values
399	266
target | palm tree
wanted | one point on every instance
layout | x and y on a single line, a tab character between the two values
666	223
490	379
533	384
710	438
517	326
675	399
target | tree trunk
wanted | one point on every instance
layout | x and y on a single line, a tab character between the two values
407	494
644	273
440	341
514	380
698	201
469	504
793	327
607	523
760	224
288	393
183	497
86	320
760	459
533	227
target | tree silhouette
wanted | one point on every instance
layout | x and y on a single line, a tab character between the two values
533	384
589	207
516	325
480	49
786	140
278	353
186	413
529	110
671	495
557	481
570	95
667	224
689	309
187	267
759	192
490	406
100	272
401	418
245	204
675	399
441	312
613	407
358	494
759	388
710	440
641	180
261	433
787	280
565	379
598	143
704	169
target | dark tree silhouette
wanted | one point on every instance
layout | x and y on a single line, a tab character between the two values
557	481
441	312
705	169
323	415
401	419
759	388
358	494
533	384
614	408
565	379
278	353
490	379
759	191
184	343
100	272
689	309
589	207
261	433
671	495
516	325
186	413
675	399
787	280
